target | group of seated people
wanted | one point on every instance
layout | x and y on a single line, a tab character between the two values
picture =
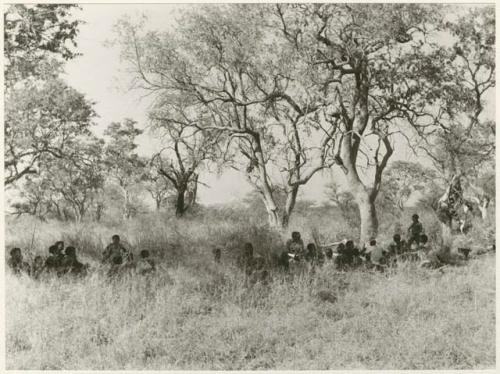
60	261
63	261
346	254
372	254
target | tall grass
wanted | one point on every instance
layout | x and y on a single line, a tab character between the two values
195	314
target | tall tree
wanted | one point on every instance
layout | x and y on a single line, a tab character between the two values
372	63
42	119
249	85
124	165
465	138
158	187
186	150
42	114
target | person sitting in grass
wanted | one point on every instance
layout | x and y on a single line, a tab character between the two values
311	254
38	267
217	253
71	265
415	231
328	254
295	246
53	263
348	255
397	246
145	264
16	263
377	255
115	249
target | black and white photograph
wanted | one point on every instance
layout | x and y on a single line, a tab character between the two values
259	186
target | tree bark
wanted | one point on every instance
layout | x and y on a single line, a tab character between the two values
368	216
180	206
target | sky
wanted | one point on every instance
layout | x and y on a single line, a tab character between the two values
101	76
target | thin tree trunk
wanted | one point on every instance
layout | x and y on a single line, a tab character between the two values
291	198
368	217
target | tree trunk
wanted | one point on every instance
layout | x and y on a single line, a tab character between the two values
483	208
291	198
158	203
126	208
368	216
180	207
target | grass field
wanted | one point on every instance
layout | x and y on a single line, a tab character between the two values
194	314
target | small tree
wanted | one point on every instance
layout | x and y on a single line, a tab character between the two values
158	187
187	149
124	165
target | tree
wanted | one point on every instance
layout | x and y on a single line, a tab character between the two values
157	186
465	138
403	179
41	112
186	150
344	201
371	61
247	84
42	119
65	187
36	39
124	165
77	180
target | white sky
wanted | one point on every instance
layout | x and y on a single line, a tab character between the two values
100	75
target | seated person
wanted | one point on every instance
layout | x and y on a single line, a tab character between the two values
295	245
377	254
145	264
397	246
71	265
38	267
16	263
115	249
54	261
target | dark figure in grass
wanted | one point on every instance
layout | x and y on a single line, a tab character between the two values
397	246
284	261
53	263
328	254
71	265
217	253
145	264
415	231
295	245
16	263
348	255
38	267
115	249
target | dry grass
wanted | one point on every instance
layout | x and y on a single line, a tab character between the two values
194	314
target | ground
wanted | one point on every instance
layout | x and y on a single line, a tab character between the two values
195	314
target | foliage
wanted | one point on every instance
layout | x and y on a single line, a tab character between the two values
42	119
35	36
123	164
